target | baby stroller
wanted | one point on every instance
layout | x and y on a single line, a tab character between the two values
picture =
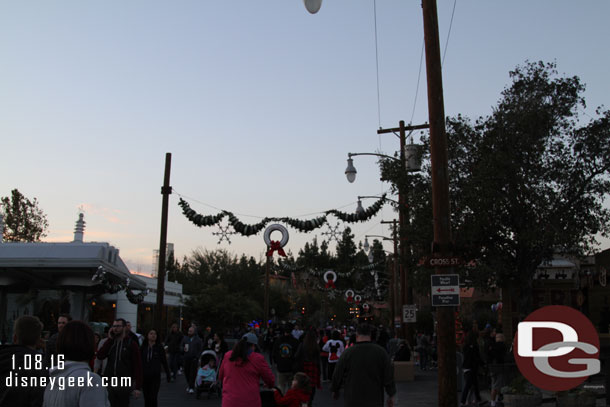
206	386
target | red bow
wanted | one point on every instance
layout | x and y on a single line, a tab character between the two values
276	246
330	284
357	302
350	298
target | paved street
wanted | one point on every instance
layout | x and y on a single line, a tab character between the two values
420	393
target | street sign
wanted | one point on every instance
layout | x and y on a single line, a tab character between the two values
409	313
445	290
441	261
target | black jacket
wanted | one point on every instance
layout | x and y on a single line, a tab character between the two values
284	351
472	358
153	359
123	359
19	396
173	342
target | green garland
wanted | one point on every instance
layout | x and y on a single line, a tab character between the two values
301	225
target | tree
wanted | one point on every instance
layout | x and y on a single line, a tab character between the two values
24	221
527	181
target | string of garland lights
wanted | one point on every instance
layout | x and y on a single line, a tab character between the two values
301	225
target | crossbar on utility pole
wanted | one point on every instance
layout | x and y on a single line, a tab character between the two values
166	191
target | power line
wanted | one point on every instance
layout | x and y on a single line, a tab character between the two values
448	33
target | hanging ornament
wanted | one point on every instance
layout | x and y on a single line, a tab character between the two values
275	245
499	306
329	278
333	232
349	295
224	234
365	307
357	299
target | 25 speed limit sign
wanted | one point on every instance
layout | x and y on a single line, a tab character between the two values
409	313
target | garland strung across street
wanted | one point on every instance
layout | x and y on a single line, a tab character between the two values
113	287
301	225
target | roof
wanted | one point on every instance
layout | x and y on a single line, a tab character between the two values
47	257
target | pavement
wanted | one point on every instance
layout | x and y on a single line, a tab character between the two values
422	392
419	393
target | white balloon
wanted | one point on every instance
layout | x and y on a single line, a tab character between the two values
313	5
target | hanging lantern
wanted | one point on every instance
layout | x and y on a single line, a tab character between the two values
413	157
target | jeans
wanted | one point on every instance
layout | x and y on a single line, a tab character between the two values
470	378
174	363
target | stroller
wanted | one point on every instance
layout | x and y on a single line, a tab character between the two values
208	386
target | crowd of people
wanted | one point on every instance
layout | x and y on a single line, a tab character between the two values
112	368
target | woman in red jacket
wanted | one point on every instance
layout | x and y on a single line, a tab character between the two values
298	395
240	374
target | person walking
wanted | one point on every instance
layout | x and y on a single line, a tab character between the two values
51	346
191	346
241	372
298	395
496	358
123	354
308	361
26	334
284	351
76	343
365	372
471	364
172	342
335	348
153	358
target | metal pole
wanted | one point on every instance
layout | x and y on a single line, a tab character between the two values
166	191
266	321
447	390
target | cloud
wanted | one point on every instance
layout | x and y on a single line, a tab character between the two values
111	215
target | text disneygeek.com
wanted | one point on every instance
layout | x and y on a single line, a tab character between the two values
16	380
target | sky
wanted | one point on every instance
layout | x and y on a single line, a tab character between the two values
258	102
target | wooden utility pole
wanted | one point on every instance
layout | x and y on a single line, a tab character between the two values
166	191
394	309
447	386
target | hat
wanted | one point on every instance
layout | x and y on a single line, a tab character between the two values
250	338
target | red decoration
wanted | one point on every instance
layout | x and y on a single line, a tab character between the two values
350	299
275	245
330	284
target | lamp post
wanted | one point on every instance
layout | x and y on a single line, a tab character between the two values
395	268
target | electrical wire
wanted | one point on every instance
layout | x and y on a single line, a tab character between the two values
448	33
377	63
421	60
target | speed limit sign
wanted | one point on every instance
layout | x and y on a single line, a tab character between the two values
409	313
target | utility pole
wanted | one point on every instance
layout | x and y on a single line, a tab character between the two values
447	386
406	292
166	191
266	300
394	296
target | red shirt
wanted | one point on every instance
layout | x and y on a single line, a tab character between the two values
240	380
293	398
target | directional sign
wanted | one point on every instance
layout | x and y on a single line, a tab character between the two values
409	313
445	290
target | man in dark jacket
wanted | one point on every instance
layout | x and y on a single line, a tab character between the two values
284	351
192	346
173	341
51	347
365	371
12	357
124	360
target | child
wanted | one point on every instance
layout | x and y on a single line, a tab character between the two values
207	372
298	395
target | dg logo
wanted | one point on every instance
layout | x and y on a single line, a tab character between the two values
556	348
